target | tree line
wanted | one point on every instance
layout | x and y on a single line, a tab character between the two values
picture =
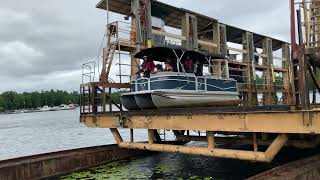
12	100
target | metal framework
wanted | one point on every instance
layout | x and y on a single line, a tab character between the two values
275	110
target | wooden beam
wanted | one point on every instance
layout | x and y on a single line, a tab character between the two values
216	37
267	73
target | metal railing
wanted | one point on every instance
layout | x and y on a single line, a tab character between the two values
121	31
88	72
310	15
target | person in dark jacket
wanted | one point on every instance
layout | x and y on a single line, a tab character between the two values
188	65
198	69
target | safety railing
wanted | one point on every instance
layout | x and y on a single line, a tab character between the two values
121	32
88	72
309	12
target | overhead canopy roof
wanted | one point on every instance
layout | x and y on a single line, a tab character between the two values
170	14
173	18
163	54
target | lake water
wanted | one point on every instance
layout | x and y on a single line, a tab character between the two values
43	132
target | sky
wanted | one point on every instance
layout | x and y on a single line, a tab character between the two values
43	43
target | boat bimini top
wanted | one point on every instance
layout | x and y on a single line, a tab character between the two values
176	55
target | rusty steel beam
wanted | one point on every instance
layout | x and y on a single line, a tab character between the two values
116	135
210	139
293	25
266	156
245	141
221	153
295	122
150	136
276	146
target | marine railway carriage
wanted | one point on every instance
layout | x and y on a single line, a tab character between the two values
264	124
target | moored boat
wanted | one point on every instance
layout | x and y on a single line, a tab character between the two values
45	108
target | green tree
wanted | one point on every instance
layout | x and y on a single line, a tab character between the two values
8	98
2	104
11	100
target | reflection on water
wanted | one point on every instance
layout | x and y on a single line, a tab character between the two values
179	166
166	166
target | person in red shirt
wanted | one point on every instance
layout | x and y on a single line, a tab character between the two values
147	66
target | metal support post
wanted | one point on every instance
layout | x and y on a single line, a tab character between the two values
210	139
150	136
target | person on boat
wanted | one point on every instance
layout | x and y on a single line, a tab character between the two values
188	65
147	67
174	67
198	68
158	68
168	67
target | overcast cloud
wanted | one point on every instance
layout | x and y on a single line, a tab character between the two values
44	42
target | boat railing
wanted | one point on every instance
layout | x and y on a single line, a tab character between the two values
144	83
